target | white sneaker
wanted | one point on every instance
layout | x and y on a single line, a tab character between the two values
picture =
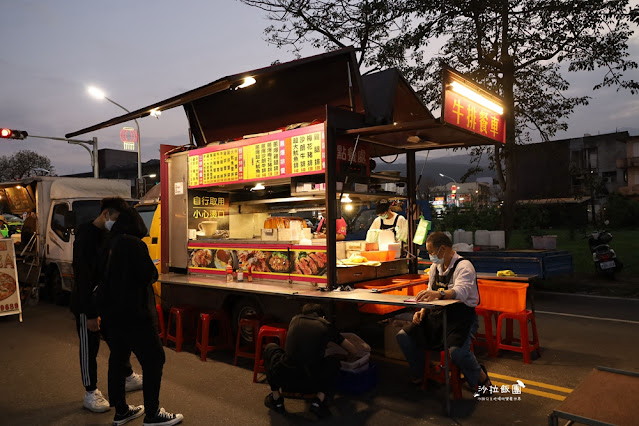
96	402
133	382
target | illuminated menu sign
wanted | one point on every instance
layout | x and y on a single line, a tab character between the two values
472	108
292	153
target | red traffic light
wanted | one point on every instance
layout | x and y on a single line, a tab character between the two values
13	134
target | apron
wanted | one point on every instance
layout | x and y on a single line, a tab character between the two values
460	317
383	226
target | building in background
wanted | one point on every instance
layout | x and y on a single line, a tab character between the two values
630	167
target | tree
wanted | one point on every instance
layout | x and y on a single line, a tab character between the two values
518	49
24	164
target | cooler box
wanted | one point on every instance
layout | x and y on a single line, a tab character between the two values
502	296
357	382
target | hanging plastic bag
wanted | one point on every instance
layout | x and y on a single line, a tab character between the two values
422	230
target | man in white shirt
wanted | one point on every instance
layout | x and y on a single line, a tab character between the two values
451	277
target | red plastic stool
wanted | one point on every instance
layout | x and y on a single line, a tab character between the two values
266	332
183	315
526	345
203	332
161	325
489	338
254	323
437	373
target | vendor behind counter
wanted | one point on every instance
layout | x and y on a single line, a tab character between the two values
388	219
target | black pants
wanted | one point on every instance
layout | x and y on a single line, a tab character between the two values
89	346
144	342
318	377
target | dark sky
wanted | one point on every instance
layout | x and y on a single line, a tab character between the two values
143	52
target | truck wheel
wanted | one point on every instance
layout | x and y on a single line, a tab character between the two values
241	309
54	282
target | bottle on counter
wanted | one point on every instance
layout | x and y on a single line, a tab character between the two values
249	273
240	273
229	272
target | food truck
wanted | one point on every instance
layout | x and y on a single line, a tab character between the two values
270	151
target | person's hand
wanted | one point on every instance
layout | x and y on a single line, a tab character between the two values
93	324
417	318
427	296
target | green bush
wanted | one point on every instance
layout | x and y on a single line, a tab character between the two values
621	211
469	218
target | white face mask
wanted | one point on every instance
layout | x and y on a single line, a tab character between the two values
436	260
109	223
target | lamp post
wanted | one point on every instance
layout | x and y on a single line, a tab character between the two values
443	175
99	94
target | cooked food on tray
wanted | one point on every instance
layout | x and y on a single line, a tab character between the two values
283	222
278	262
7	285
223	257
310	263
201	258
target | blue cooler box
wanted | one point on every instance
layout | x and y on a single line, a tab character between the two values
357	382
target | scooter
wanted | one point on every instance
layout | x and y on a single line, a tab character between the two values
604	257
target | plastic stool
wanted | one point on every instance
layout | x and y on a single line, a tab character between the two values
161	325
254	323
267	331
203	332
489	338
437	373
183	315
526	345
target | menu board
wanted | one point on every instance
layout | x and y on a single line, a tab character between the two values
262	160
309	153
9	288
294	152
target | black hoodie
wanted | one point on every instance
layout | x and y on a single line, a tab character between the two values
129	274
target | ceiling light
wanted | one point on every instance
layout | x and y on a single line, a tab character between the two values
248	81
346	199
457	87
258	187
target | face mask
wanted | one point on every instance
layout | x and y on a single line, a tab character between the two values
384	216
436	260
109	223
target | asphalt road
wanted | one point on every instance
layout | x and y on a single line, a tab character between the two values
40	379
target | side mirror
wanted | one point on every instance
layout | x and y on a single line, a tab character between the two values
69	220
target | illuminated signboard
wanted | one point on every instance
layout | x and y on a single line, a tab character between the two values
472	108
129	138
292	153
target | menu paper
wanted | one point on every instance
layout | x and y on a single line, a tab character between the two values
308	153
9	288
262	160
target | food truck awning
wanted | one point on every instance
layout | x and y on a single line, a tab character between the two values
393	117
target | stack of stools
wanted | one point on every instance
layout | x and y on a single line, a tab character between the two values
526	346
203	335
183	316
488	338
252	322
268	332
161	326
438	373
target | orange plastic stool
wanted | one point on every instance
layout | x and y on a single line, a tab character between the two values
161	325
183	315
254	323
437	373
526	345
489	338
203	332
266	332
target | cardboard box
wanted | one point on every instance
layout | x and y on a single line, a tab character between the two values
284	234
389	187
269	234
360	187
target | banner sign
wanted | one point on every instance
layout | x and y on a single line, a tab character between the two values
470	107
9	288
291	153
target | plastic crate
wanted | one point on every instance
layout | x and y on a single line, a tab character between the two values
502	296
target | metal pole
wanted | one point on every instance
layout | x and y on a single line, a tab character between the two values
84	144
96	170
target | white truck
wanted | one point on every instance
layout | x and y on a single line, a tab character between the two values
60	203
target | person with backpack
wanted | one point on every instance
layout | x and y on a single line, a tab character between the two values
126	303
451	277
89	238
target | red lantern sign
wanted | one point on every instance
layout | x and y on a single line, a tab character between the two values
128	134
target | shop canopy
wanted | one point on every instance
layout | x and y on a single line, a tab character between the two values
391	115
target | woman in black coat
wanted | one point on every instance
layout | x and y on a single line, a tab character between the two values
129	320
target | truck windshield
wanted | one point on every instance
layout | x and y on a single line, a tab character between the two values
147	213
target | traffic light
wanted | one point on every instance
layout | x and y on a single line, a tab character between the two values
13	134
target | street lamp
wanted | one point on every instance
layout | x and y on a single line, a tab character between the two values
99	94
442	175
453	192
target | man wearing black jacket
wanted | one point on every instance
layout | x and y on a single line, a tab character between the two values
130	320
86	254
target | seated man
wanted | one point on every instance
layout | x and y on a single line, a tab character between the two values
451	277
302	367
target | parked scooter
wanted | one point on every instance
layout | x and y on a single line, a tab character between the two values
604	257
